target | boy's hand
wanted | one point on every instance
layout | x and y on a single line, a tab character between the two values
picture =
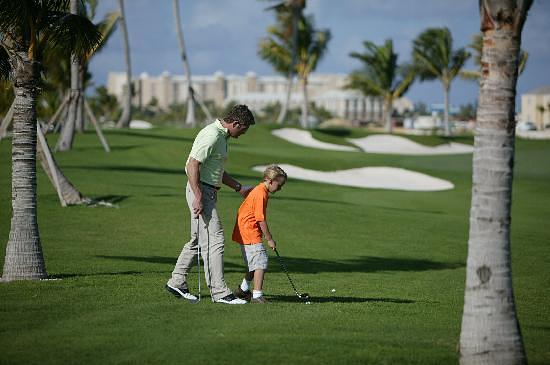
245	190
272	244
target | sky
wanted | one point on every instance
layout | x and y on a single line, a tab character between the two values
223	35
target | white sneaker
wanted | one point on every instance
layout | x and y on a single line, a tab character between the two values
181	292
231	299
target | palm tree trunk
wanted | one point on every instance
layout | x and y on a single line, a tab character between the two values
66	139
490	332
190	117
80	120
305	104
388	110
286	104
124	121
24	258
446	91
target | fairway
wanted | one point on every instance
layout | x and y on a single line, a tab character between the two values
385	269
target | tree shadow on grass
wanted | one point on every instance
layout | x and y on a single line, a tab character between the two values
154	170
363	264
409	210
117	273
314	299
113	199
167	261
325	201
152	136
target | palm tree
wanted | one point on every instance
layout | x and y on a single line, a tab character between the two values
477	46
65	142
312	46
79	71
435	58
276	50
27	30
289	13
190	117
124	120
382	76
490	331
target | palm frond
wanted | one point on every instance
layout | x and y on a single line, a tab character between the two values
368	86
408	75
381	74
523	57
106	27
276	54
71	32
15	15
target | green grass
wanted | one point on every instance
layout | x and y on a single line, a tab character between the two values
396	260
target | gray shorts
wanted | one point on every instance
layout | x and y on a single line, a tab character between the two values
254	256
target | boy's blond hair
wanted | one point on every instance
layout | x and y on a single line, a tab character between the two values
273	171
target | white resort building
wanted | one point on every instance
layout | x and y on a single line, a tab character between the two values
535	107
324	90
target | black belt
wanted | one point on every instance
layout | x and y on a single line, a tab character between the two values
210	186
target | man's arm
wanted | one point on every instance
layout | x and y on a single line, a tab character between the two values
193	174
234	184
267	234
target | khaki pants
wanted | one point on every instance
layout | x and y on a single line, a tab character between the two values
211	241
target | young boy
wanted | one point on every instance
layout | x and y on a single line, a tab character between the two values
251	225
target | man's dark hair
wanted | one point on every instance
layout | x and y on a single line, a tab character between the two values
240	114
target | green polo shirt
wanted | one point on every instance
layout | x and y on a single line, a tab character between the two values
210	149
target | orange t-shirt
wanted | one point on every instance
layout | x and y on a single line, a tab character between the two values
253	210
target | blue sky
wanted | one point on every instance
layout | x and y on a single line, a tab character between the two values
223	35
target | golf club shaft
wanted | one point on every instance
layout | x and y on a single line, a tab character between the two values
283	266
198	257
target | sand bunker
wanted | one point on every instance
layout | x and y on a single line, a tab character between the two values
370	177
383	143
304	138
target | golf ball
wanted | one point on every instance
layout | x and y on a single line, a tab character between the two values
308	302
333	290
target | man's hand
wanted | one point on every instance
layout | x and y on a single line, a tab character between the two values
197	207
272	244
245	190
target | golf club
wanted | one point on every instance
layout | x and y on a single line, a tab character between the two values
303	296
198	264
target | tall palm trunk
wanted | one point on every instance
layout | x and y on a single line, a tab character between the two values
286	103
190	118
124	121
388	110
24	258
66	139
305	104
79	125
490	331
446	91
286	106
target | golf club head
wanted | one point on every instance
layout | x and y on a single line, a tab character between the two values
194	301
303	296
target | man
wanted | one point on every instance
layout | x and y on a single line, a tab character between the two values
205	173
